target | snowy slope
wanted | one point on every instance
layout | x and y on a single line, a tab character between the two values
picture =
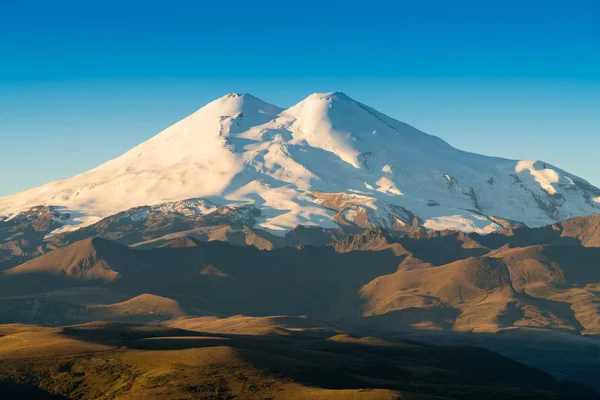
327	161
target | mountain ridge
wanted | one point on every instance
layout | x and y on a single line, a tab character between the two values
327	161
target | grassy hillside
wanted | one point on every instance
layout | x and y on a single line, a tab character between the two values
130	361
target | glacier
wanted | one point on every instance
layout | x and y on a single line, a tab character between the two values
328	161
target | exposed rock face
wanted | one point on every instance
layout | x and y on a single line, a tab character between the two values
32	233
22	235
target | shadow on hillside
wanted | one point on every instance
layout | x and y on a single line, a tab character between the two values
524	237
344	362
411	319
288	281
565	355
559	308
12	390
440	250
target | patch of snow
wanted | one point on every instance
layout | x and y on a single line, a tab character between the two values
386	185
370	187
471	223
546	177
136	215
73	223
350	213
10	216
188	207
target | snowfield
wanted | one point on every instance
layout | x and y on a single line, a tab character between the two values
328	161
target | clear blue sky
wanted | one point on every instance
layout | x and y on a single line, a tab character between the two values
81	82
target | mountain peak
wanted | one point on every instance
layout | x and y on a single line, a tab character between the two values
243	96
370	170
328	96
235	94
233	103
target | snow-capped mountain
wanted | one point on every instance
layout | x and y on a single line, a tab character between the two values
328	161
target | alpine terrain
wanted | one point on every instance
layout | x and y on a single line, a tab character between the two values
328	161
325	251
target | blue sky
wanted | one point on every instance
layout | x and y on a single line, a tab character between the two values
82	82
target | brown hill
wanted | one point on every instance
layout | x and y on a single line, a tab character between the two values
553	287
247	325
89	259
586	230
383	289
563	279
143	308
467	294
551	264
